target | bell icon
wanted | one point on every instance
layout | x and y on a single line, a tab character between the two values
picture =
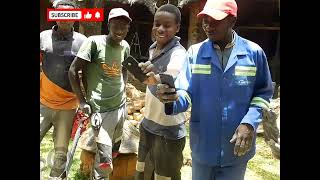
97	15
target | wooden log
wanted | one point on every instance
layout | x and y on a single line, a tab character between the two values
124	167
87	161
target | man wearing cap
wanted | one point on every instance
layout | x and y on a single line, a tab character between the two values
228	82
99	59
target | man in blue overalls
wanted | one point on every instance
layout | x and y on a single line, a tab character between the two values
228	82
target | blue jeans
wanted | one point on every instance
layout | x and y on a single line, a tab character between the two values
204	172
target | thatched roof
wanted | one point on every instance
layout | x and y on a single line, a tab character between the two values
152	4
148	3
185	2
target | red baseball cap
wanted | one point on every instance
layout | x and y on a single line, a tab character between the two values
219	9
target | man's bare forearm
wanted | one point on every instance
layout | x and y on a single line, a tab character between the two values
75	81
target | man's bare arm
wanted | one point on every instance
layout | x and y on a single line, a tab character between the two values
75	82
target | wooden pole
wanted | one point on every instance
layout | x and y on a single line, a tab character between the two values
193	29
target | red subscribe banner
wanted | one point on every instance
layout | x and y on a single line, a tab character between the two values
90	14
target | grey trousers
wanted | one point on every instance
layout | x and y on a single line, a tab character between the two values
106	136
62	121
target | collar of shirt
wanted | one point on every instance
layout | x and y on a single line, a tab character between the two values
230	44
169	46
61	36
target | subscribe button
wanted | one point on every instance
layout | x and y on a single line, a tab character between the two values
93	14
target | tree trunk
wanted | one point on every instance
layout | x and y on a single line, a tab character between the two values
193	24
195	31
